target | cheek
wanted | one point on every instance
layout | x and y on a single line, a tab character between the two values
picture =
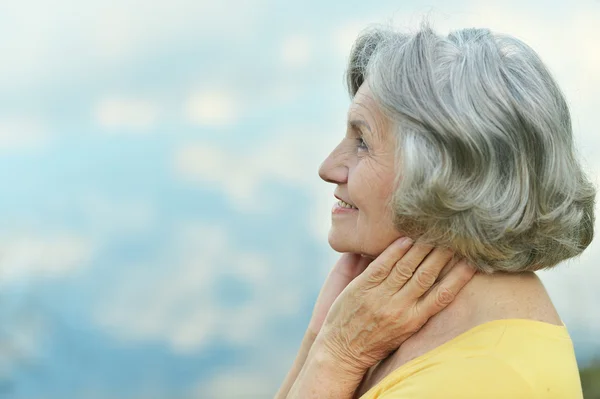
370	188
373	191
360	181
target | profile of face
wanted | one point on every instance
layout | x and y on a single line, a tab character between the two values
362	167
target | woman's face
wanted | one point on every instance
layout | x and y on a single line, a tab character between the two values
362	167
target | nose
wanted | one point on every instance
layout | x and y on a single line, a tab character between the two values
333	169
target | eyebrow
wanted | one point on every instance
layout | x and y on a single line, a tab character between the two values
358	123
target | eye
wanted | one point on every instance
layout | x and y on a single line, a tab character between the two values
361	144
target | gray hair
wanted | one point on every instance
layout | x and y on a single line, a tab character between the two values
485	157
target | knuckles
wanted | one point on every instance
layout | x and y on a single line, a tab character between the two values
425	278
378	274
444	296
401	273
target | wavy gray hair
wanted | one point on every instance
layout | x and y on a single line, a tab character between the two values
486	164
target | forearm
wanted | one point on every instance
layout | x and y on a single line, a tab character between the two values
324	377
307	341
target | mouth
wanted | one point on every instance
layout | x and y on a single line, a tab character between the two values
343	204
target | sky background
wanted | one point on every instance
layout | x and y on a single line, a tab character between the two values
163	229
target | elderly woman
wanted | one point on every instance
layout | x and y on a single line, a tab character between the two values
458	151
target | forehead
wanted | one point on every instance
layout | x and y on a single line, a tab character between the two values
364	113
363	103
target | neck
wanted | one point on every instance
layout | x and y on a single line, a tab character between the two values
484	298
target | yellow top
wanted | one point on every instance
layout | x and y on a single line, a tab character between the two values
513	358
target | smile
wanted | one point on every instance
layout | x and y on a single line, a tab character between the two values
346	205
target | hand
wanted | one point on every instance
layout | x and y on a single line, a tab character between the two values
343	272
346	269
388	303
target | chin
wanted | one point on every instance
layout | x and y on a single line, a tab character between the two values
341	242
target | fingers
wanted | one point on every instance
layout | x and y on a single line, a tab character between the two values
451	263
446	290
405	267
380	268
455	259
428	272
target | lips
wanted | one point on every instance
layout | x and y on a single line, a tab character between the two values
347	202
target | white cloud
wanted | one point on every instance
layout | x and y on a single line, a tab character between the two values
183	309
235	384
111	218
19	133
214	107
289	157
126	113
49	41
42	256
22	342
296	51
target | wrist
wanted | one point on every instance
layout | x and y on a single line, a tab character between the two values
333	360
323	376
299	362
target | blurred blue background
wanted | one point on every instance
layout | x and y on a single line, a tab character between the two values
163	229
